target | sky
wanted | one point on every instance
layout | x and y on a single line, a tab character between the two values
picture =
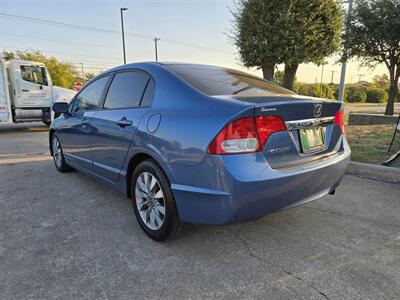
194	31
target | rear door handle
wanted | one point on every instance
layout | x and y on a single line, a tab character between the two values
25	90
124	122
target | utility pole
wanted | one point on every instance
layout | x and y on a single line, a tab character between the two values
322	75
123	33
343	72
333	72
156	39
83	73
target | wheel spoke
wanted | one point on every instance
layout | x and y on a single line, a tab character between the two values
153	221
140	192
159	194
153	182
141	183
160	209
148	181
157	216
142	214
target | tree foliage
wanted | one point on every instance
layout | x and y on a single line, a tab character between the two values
374	38
63	74
271	32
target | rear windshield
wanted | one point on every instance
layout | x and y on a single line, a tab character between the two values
217	81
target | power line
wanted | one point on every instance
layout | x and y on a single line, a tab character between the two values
71	42
57	41
61	52
95	29
197	46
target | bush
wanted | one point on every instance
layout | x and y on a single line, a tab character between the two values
375	95
356	96
314	90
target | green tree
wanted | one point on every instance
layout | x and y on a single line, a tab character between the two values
376	95
271	32
356	96
278	77
62	74
89	76
374	38
383	82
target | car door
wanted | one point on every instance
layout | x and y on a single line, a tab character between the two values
115	124
76	130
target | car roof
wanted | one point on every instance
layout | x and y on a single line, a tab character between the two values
159	63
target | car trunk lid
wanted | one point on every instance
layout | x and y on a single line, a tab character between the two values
311	133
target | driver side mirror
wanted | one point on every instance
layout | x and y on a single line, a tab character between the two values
60	107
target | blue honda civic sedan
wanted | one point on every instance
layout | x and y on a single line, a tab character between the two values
200	144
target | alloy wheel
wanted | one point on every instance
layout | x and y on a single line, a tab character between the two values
150	201
57	154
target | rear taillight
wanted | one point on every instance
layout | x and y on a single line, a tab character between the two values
246	135
339	120
267	125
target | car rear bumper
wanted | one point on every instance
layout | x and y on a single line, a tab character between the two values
246	188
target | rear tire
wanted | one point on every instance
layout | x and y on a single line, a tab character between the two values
58	155
153	202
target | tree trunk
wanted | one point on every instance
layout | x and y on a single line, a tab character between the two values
268	71
289	76
393	90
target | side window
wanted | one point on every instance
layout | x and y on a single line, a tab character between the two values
90	96
148	94
126	90
34	74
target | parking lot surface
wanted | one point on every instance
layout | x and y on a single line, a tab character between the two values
67	236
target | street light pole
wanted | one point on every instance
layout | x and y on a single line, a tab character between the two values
344	65
83	74
322	76
123	33
156	39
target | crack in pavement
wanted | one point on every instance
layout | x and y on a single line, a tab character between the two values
259	259
305	281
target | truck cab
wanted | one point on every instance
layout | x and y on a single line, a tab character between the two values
27	93
30	89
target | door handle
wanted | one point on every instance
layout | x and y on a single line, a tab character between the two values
124	122
25	90
84	122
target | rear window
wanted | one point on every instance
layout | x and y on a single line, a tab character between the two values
217	81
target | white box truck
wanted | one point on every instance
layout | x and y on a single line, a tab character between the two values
27	93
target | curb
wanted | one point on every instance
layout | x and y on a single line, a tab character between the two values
377	172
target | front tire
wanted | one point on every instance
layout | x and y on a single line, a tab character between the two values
153	202
58	155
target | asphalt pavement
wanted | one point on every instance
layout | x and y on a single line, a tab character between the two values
66	236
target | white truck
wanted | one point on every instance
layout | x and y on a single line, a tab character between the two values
27	93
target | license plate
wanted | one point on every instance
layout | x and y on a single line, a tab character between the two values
311	139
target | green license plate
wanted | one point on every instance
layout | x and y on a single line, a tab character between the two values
311	139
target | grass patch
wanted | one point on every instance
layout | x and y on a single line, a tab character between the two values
370	143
